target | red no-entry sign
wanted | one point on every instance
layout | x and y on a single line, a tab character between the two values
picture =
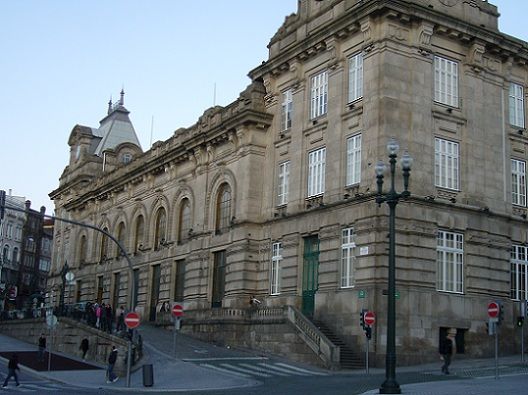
493	309
132	320
369	318
177	310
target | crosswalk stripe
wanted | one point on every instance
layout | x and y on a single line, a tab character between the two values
282	370
243	370
263	369
301	369
209	366
225	359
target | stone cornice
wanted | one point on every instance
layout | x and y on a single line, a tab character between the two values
404	12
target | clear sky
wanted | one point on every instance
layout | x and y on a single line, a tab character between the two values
61	60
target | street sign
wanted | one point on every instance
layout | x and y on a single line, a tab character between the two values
132	320
177	310
370	318
51	320
362	293
493	310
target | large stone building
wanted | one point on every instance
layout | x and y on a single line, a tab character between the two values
273	195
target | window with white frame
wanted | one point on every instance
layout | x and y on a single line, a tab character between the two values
348	257
286	109
445	81
9	230
519	272
355	77
516	105
316	172
276	258
518	170
450	261
353	173
283	181
446	164
319	95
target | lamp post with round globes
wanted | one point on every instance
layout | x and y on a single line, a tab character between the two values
390	385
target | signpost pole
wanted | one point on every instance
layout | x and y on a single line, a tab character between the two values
49	348
367	355
496	352
174	336
177	312
129	364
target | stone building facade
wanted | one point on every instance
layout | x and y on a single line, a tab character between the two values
273	196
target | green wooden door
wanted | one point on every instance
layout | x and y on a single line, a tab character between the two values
310	274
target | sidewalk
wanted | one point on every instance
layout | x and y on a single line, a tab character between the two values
174	371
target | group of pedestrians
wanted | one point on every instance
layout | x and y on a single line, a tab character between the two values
102	316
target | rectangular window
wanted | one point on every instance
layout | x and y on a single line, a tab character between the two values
319	95
516	105
445	81
519	272
446	164
276	258
44	265
355	77
316	172
348	257
286	110
353	174
450	261
518	169
284	179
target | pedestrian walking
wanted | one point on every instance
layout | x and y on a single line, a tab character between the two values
447	348
12	367
85	345
98	311
112	358
41	347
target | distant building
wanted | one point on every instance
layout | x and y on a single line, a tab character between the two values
272	198
27	241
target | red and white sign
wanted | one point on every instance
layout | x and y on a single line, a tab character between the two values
177	310
369	318
493	309
132	320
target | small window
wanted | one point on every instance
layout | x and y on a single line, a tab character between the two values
223	208
518	170
355	77
353	173
348	257
286	110
127	158
316	172
283	181
445	81
446	164
276	259
516	101
319	95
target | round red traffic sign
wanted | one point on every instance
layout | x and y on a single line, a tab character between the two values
369	318
493	309
177	310
132	320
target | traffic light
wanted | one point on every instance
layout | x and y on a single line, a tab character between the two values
362	318
520	321
501	313
368	332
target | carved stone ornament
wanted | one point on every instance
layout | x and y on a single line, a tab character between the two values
449	3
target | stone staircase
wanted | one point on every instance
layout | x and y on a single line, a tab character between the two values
348	359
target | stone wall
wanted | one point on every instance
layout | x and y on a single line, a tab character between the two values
66	338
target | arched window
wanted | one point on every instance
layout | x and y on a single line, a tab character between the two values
160	228
121	238
223	208
15	255
185	220
82	250
104	247
5	254
139	232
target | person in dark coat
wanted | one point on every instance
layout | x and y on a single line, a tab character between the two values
112	358
447	348
41	347
12	367
84	347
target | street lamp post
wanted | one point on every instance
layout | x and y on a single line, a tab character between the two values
390	385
